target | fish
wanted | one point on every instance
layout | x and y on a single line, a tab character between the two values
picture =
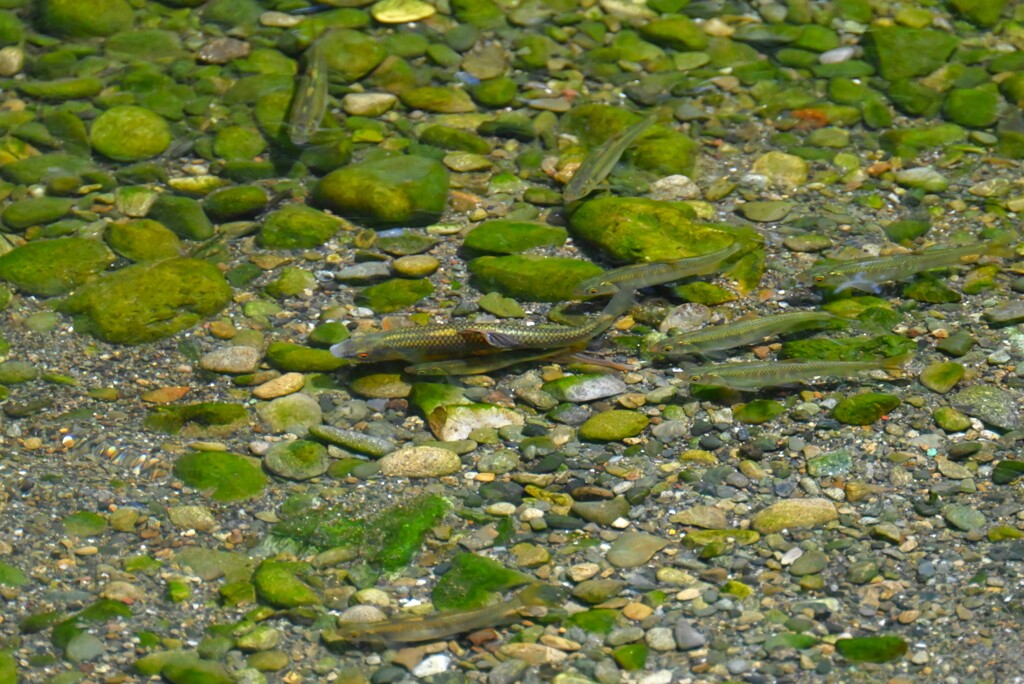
445	624
491	362
740	333
451	341
755	375
652	273
868	274
599	163
310	102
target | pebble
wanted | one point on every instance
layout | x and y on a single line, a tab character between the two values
289	383
420	461
197	518
660	639
687	636
235	360
633	549
433	665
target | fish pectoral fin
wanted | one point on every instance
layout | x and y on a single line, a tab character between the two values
490	338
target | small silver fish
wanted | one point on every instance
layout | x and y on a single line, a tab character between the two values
599	163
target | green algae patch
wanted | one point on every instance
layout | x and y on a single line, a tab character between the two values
129	133
864	409
290	282
298	227
941	377
506	236
848	348
596	621
8	667
758	411
11	576
388	539
148	301
613	426
386	193
531	277
35	211
902	52
278	583
142	240
171	419
47	268
228	477
472	581
708	294
630	229
876	649
631	657
427	396
1006	472
288	356
394	295
85	524
931	291
77	19
185	670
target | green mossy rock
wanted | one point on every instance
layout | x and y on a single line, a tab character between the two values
54	267
129	133
234	204
613	426
530	277
238	142
290	282
394	295
149	301
978	12
631	657
901	52
85	524
449	138
10	576
758	411
495	92
629	230
864	409
289	357
171	419
35	211
794	513
951	420
194	671
298	227
506	236
440	99
43	167
941	377
298	459
142	240
229	477
396	191
77	19
972	107
183	215
8	667
14	372
351	54
660	149
152	45
876	649
12	31
675	31
831	464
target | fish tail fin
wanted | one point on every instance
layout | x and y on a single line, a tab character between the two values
1002	246
540	594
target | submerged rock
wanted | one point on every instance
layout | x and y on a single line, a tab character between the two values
54	267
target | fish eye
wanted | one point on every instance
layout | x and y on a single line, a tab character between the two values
667	347
818	278
694	378
363	355
593	290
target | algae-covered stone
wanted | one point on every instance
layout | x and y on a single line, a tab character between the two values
864	409
298	227
297	460
794	513
781	170
633	549
183	215
449	138
291	282
142	240
427	396
44	167
675	31
129	133
77	19
394	295
978	12
54	267
995	406
472	580
503	307
278	584
972	107
171	419
951	420
873	649
506	236
238	142
629	229
149	301
233	204
380	386
293	413
229	477
831	464
34	211
941	377
613	426
351	54
438	99
758	411
531	277
396	191
902	52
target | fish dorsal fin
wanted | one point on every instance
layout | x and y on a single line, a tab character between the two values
490	338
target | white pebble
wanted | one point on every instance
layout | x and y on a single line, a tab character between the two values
434	665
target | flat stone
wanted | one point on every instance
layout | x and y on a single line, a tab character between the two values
238	359
420	461
283	385
581	388
794	513
633	549
995	406
192	518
